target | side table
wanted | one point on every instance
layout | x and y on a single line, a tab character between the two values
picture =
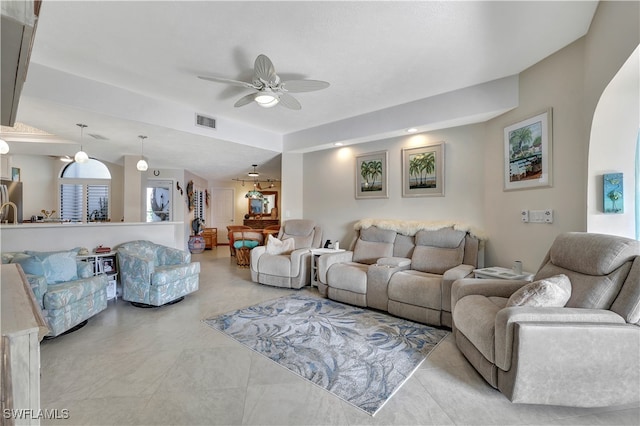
315	253
497	272
105	263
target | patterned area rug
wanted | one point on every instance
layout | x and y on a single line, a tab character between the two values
359	355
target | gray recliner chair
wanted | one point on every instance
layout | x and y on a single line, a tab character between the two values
585	354
290	270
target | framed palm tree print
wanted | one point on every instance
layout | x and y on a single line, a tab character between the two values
423	171
527	153
371	175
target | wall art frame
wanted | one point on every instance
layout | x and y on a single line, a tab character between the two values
423	171
372	178
528	149
612	193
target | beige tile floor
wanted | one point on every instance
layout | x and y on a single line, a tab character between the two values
132	366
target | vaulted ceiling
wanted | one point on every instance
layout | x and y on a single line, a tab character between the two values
130	68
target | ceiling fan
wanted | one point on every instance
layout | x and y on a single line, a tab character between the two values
269	89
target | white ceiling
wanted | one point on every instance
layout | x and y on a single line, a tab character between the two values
130	68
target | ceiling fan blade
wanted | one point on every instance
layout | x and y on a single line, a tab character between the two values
228	81
245	100
299	86
289	101
264	69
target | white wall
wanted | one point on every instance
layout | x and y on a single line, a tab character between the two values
611	150
555	82
39	177
329	183
570	81
38	174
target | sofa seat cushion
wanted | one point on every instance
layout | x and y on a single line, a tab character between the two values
350	276
163	275
63	294
475	317
416	288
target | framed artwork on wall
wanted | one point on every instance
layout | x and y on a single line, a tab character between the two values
371	175
527	153
613	194
15	174
423	171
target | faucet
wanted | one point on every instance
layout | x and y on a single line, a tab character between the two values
15	210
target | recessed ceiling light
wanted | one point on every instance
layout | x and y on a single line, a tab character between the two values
412	130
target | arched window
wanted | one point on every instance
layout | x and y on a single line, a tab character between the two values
85	192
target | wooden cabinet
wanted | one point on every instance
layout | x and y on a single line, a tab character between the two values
210	236
261	223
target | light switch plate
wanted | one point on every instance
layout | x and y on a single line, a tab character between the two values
541	216
524	215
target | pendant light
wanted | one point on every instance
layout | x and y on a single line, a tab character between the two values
81	156
4	147
142	164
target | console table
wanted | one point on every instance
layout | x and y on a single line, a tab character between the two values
261	223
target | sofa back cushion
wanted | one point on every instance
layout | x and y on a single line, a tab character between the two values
372	244
403	246
438	251
142	248
627	304
596	264
302	231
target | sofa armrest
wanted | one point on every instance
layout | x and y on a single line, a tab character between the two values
575	364
483	287
254	256
507	318
297	258
448	278
172	256
327	260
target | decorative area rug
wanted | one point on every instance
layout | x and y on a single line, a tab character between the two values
359	355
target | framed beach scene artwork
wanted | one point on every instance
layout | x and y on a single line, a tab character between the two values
371	175
527	153
423	171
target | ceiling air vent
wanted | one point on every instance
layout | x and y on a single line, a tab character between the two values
204	121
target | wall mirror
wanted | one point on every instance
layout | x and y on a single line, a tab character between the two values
264	206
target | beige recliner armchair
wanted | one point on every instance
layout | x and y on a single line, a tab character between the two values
584	354
290	270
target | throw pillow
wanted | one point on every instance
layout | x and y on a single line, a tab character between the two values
30	264
550	292
58	267
276	246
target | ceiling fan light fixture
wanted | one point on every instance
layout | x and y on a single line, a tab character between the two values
266	99
253	173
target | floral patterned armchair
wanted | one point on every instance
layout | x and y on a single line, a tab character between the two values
152	274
